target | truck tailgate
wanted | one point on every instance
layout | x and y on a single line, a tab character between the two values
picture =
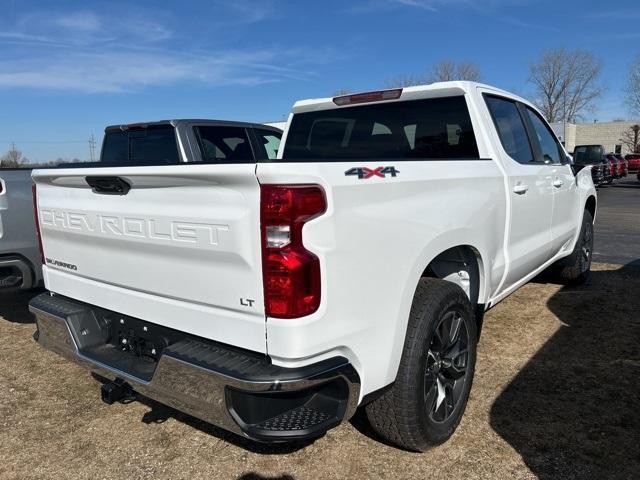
181	248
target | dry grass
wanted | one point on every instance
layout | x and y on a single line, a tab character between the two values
556	394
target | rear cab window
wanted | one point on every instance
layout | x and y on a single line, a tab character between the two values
435	128
154	145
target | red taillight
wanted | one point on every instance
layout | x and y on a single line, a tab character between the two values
35	214
290	273
366	97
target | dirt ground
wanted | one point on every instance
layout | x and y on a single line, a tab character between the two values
556	395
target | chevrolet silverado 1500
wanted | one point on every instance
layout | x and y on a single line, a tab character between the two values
272	296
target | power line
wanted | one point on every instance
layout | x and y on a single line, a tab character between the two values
42	141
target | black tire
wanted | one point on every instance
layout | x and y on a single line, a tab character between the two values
408	414
576	268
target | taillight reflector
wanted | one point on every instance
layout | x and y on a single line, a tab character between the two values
291	273
365	97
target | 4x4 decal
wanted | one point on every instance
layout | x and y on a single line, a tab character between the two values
364	173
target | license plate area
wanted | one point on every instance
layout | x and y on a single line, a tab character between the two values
130	345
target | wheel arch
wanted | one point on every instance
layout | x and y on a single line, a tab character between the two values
462	265
435	254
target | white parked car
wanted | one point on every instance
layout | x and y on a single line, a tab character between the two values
273	296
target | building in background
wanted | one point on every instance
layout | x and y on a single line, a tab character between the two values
609	134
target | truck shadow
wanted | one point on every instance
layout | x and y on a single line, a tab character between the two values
257	476
160	413
14	305
574	411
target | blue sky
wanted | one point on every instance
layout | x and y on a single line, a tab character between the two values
67	69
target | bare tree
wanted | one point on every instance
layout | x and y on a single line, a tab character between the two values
567	83
631	138
469	71
13	159
443	71
404	81
632	89
447	70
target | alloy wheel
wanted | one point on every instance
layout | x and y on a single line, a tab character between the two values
446	366
586	249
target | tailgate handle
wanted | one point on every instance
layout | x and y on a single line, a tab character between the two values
109	185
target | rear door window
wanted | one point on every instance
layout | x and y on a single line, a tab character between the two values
511	129
224	144
438	128
140	146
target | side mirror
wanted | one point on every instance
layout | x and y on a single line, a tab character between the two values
568	160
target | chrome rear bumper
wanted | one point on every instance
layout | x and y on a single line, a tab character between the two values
237	390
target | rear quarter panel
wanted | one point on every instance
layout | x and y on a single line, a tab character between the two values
375	240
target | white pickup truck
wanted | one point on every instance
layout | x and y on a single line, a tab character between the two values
272	296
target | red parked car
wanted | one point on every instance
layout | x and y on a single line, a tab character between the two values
623	167
633	160
613	164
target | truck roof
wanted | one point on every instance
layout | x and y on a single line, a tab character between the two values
182	121
432	90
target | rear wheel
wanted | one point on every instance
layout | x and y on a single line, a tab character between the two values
425	404
576	268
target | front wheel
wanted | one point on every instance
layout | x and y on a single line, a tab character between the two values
425	404
576	268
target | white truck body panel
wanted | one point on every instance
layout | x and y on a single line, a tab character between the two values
374	244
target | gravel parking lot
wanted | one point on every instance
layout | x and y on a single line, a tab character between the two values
555	395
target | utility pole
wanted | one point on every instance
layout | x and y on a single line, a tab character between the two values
12	156
92	147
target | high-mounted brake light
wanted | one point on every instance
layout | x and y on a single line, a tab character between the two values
365	97
134	126
291	273
34	191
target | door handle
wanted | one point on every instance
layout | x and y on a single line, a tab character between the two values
520	189
558	183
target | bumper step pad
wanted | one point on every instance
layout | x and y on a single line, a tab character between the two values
301	418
